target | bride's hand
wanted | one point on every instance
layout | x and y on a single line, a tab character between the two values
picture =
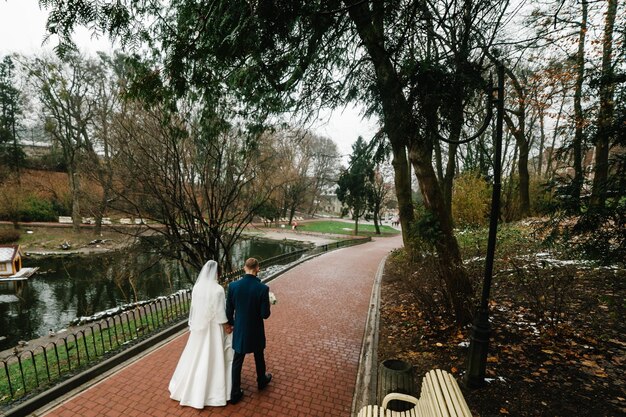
228	328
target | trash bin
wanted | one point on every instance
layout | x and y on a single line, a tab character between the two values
395	375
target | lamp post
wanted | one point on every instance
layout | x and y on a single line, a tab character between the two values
479	340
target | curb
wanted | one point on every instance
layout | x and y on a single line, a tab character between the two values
365	388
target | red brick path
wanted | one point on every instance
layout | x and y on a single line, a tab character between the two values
314	341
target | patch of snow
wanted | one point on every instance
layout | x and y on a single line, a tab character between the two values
474	259
499	379
8	298
117	310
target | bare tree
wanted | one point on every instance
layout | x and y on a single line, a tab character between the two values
194	184
324	169
108	100
68	98
381	192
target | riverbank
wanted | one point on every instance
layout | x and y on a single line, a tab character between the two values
55	239
41	239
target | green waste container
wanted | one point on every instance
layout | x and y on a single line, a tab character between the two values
395	375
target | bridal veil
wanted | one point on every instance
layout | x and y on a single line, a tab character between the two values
203	374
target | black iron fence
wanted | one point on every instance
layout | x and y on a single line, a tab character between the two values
45	363
290	257
31	369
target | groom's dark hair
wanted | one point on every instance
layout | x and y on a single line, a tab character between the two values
252	263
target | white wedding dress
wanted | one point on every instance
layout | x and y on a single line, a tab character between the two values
203	374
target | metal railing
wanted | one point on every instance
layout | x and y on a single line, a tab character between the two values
287	258
34	369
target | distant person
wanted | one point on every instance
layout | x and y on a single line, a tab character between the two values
247	305
294	225
203	374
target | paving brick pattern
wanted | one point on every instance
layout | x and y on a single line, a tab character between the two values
314	341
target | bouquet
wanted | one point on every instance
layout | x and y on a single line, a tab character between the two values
273	298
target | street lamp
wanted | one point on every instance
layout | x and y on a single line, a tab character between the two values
479	340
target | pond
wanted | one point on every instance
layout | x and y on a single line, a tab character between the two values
71	286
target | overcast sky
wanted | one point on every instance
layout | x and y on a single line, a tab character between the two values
22	30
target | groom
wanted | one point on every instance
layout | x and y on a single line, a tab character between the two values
247	305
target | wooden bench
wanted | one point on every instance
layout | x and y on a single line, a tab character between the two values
440	397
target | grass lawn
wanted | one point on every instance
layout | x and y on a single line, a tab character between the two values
344	228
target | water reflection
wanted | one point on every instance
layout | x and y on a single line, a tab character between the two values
68	287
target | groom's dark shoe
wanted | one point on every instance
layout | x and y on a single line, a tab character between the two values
266	381
235	398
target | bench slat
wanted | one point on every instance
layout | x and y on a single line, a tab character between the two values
445	389
436	398
423	408
459	402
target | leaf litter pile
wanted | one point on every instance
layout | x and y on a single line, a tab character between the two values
557	345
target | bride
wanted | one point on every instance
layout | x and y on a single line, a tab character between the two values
203	374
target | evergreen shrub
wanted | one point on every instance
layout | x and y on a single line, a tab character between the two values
37	210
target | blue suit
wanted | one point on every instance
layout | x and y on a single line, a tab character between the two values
247	305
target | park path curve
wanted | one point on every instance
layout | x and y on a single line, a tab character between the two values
314	338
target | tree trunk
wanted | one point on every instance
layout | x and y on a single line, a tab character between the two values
555	134
456	127
448	179
97	229
457	282
524	178
542	141
402	183
518	133
400	126
104	171
577	147
605	113
75	191
510	188
522	170
102	208
292	212
439	161
376	219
